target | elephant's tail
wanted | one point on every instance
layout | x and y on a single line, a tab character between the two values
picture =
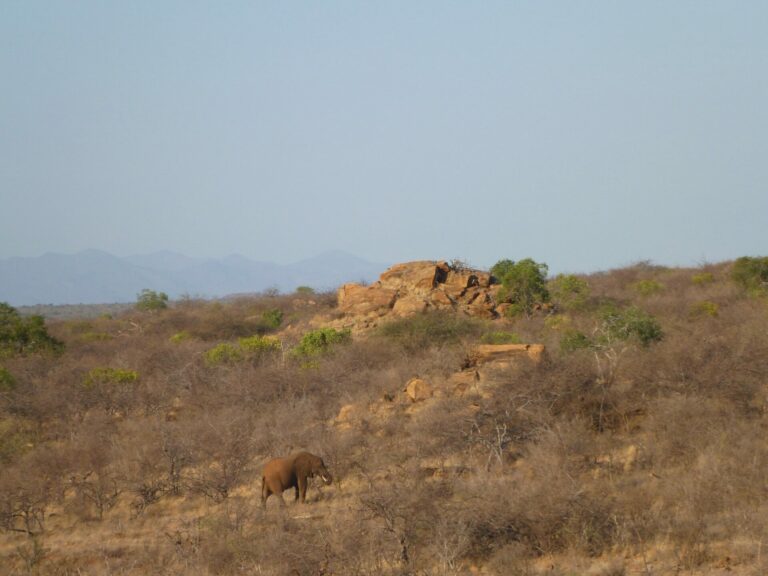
263	489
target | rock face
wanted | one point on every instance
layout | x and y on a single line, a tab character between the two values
418	389
413	287
361	300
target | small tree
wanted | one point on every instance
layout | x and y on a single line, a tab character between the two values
20	335
151	301
523	284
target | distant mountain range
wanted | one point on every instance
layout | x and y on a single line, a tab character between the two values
95	277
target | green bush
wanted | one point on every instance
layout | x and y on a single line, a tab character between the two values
252	347
500	338
272	318
569	291
615	325
705	308
431	329
751	273
523	284
259	345
151	301
223	354
7	381
703	278
320	341
305	291
109	376
24	335
574	340
648	287
180	337
627	324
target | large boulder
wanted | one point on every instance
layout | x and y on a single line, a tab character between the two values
417	390
358	300
410	305
487	353
415	277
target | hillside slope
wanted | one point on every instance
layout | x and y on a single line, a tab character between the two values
460	443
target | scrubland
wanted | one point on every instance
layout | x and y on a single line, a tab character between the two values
136	450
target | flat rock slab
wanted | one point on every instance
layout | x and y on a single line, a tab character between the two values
485	353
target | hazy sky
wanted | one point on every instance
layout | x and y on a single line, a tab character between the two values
583	134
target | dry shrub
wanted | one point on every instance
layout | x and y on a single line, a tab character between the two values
544	504
222	446
549	459
513	559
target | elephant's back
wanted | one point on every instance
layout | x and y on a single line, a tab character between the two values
275	465
279	469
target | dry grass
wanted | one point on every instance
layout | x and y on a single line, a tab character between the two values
537	469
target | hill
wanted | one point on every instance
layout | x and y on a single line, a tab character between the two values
96	277
615	426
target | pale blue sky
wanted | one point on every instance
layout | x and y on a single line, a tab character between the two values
586	135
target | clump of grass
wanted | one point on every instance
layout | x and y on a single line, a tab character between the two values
223	354
109	376
252	348
500	337
180	337
705	308
703	278
648	287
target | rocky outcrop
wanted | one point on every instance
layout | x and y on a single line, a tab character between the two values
414	287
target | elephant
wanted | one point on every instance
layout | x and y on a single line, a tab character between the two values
282	473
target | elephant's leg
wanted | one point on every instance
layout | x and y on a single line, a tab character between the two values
301	490
282	500
265	492
296	499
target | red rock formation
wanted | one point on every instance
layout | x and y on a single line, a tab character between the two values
413	287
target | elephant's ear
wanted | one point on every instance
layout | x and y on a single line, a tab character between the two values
302	466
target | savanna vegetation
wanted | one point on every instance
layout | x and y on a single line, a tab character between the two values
132	443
